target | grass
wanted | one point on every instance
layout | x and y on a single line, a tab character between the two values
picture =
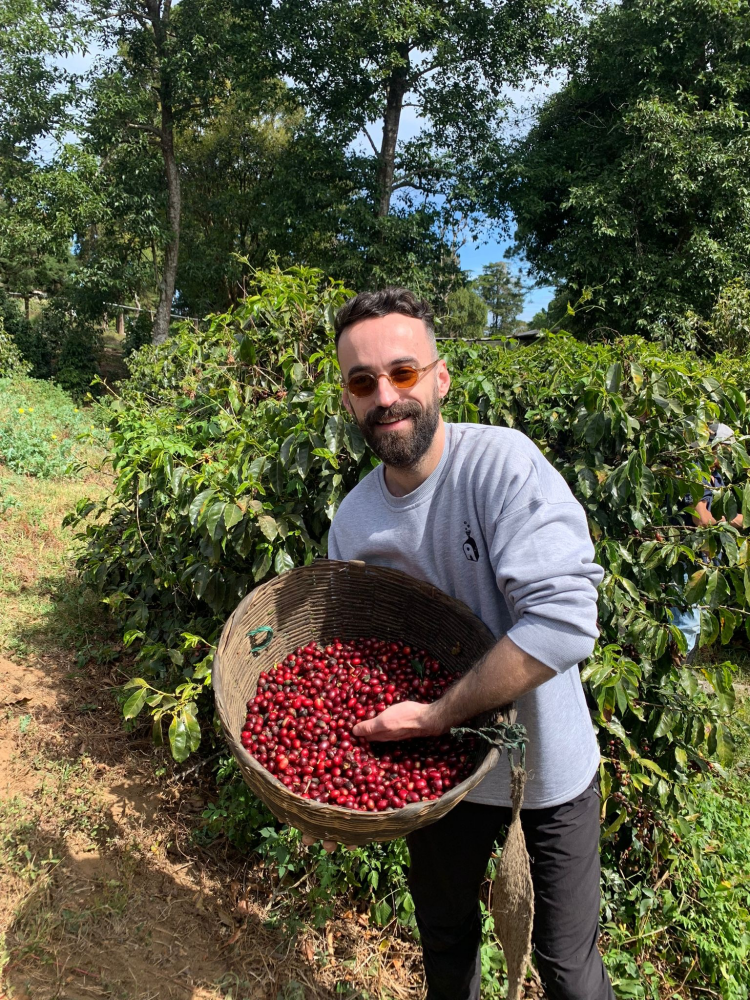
42	607
42	432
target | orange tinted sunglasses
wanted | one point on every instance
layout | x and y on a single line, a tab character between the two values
402	377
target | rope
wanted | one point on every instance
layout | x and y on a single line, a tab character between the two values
503	735
257	631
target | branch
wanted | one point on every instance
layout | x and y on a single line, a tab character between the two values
151	129
423	72
369	137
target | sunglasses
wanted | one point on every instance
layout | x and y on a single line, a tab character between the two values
403	377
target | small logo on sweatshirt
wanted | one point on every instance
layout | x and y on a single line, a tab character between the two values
470	546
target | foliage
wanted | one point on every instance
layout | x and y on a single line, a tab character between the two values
232	454
35	93
632	181
11	360
504	294
728	326
40	427
357	64
697	915
466	315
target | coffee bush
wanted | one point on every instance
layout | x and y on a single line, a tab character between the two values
231	453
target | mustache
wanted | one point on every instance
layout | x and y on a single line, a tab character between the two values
398	411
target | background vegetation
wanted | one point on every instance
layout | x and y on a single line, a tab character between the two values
184	200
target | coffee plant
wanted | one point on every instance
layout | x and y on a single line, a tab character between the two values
231	453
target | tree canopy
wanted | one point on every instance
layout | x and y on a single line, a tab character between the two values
633	180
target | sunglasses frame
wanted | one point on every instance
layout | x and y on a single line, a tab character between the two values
376	378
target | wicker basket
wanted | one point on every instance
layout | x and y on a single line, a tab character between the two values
348	600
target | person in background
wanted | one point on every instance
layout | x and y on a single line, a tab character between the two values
688	620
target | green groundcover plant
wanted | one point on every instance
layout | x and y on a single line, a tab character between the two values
231	453
42	431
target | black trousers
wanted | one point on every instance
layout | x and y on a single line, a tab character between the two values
448	863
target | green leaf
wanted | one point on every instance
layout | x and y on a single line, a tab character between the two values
355	443
261	565
194	511
268	526
193	729
283	562
135	703
728	623
178	738
232	515
214	519
667	722
614	377
696	587
156	733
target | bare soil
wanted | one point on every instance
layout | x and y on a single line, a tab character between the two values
101	892
104	890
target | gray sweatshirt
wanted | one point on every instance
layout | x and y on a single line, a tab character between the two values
496	526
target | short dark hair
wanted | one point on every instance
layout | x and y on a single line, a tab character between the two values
367	305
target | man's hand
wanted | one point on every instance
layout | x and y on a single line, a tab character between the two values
404	721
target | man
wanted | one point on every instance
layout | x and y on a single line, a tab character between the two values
688	620
480	513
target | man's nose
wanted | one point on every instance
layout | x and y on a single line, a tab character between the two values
385	395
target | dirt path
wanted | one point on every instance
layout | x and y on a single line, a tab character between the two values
101	894
104	892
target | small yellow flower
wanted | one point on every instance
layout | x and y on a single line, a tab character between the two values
31	409
20	409
75	410
54	437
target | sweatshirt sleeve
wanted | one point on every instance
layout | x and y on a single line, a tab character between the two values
543	560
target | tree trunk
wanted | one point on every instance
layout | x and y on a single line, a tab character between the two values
27	307
120	324
171	251
397	88
158	14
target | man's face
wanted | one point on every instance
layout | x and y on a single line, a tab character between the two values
398	424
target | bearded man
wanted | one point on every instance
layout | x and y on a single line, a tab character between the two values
480	513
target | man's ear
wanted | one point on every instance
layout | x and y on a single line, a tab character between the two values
443	378
347	403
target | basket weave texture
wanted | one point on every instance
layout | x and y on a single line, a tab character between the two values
348	600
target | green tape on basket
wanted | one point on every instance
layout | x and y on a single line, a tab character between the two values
258	631
503	735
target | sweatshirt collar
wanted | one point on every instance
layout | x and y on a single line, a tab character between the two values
425	490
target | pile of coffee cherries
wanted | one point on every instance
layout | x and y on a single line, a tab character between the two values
299	726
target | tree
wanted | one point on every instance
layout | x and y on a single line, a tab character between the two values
504	295
169	67
257	181
634	179
466	315
35	96
358	63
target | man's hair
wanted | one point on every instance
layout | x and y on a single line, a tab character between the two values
367	305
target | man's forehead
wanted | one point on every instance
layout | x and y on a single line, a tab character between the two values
393	336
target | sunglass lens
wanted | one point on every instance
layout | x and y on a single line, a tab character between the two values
404	378
361	385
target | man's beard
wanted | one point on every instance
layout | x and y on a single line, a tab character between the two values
402	449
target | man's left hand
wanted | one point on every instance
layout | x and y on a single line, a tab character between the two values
404	721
